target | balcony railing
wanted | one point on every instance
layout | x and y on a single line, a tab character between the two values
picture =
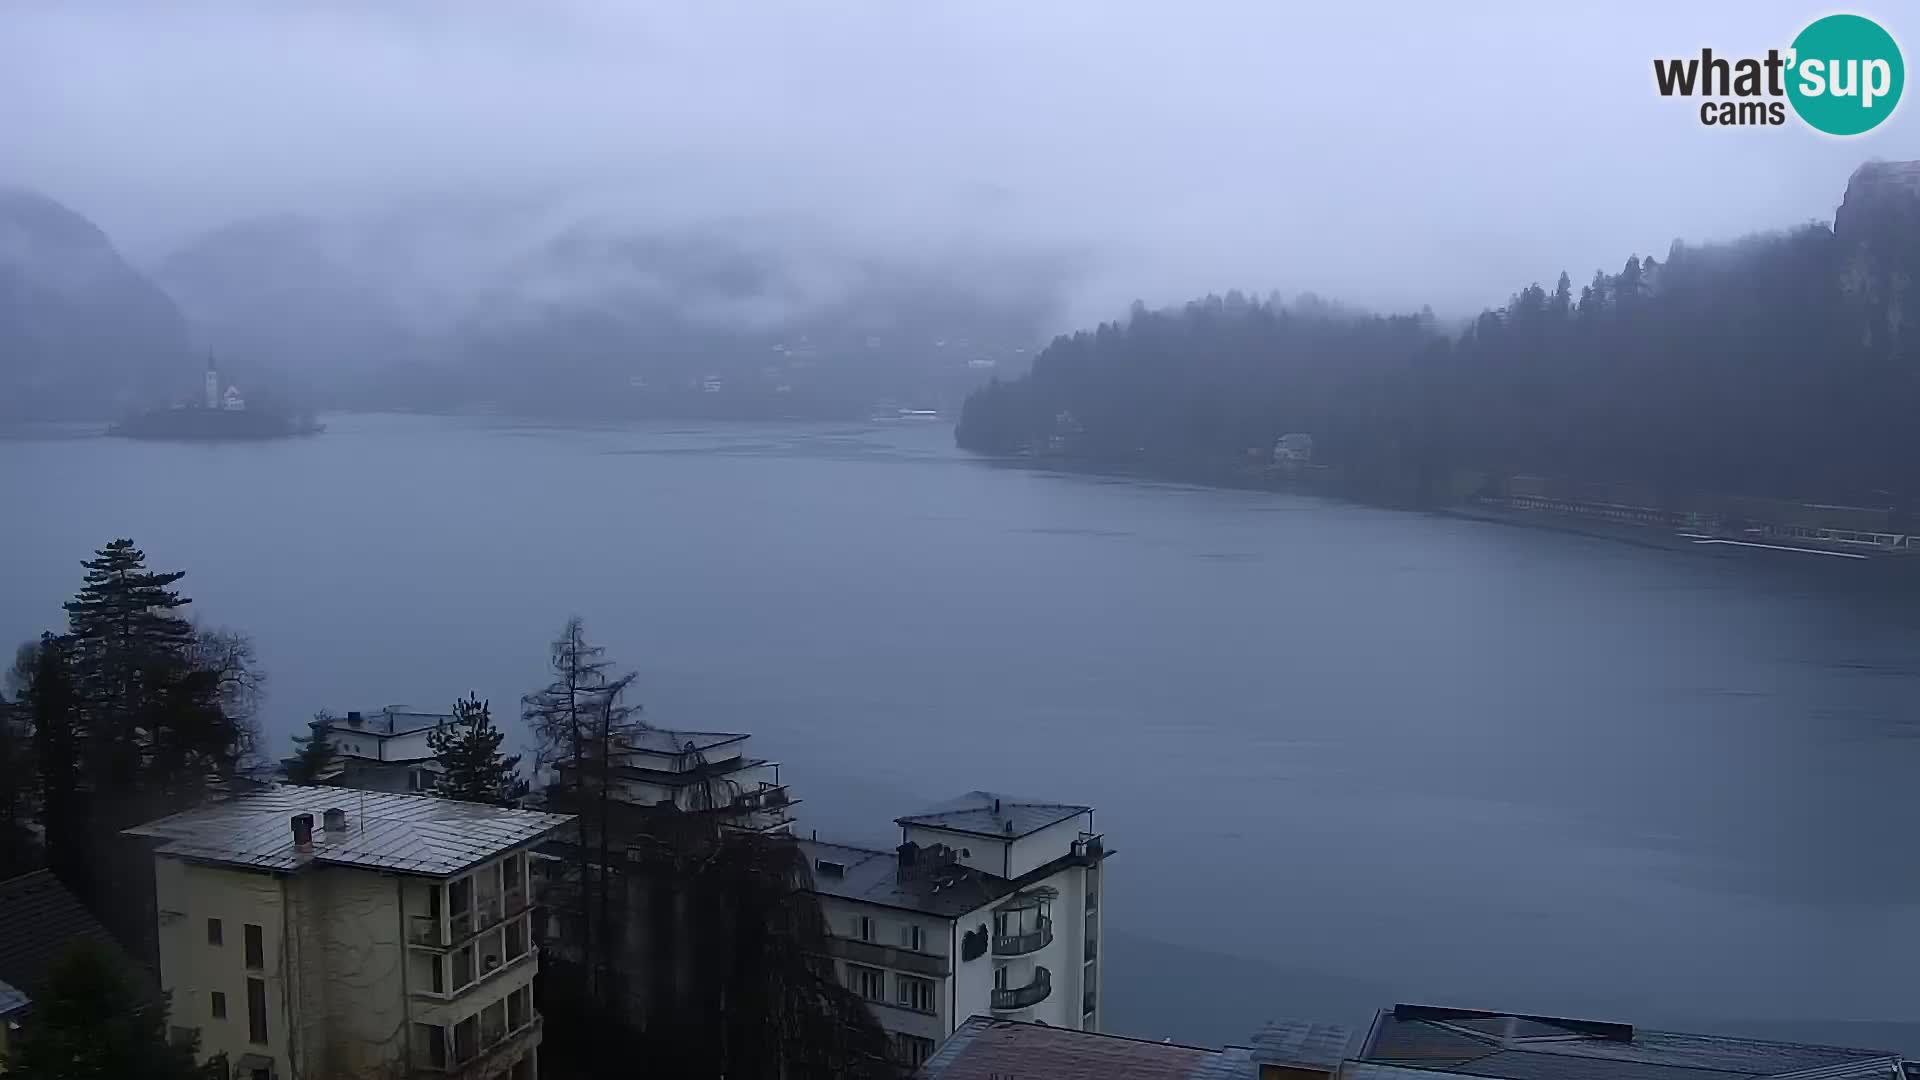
1021	997
1087	1002
488	1060
425	930
1025	942
1093	950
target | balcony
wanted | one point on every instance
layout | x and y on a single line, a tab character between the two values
1023	997
1092	951
428	931
1020	944
490	1060
1087	1002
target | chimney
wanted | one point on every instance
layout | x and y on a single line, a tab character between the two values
354	717
908	851
996	806
303	832
334	820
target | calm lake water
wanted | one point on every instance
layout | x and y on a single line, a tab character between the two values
1348	756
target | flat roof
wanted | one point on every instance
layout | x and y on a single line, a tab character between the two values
409	834
988	813
1303	1043
392	720
1424	1040
985	1048
873	876
670	741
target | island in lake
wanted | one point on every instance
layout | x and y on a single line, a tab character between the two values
221	414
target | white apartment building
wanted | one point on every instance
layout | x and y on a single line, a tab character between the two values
989	906
312	933
385	749
701	771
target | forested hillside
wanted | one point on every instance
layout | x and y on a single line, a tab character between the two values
1782	364
82	334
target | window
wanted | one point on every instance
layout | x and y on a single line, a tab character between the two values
432	1041
1000	924
256	951
869	983
911	1050
493	1023
460	906
916	994
213	931
466	1039
257	1010
439	975
516	938
912	937
463	967
514	879
218	1003
519	1008
863	927
1000	977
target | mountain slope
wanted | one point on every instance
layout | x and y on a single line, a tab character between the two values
82	334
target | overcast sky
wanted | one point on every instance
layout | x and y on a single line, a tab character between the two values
1388	154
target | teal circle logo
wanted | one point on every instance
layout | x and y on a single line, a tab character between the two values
1846	75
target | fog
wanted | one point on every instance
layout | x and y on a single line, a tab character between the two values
1390	155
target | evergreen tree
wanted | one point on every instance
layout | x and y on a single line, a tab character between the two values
314	754
19	772
43	671
468	750
1562	303
92	1021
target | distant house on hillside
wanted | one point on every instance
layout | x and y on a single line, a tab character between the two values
383	750
1294	450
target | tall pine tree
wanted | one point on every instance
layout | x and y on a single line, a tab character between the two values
468	750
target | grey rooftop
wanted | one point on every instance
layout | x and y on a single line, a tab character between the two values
873	876
988	813
391	720
985	1048
409	834
12	1000
1413	1042
1303	1044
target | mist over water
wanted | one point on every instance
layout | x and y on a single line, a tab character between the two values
1347	756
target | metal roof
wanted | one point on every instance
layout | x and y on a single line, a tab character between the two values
984	1048
988	813
12	999
1418	1040
409	834
1305	1043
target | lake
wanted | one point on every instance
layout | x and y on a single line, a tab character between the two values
1348	756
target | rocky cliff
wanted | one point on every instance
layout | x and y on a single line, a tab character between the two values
1878	223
